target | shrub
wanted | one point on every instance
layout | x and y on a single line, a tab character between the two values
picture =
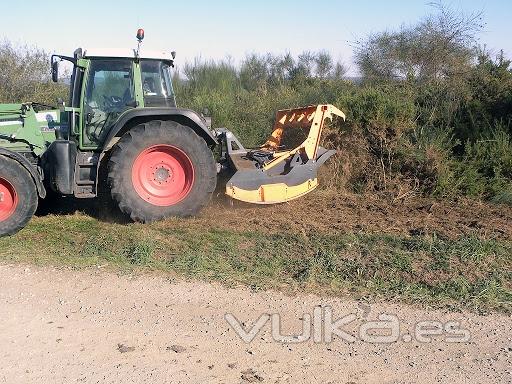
25	76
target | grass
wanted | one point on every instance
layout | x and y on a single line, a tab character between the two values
464	273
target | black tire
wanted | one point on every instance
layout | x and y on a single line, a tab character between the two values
161	133
15	177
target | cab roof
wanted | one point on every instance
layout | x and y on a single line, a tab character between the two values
128	54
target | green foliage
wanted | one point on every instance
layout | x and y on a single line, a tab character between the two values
488	98
431	137
486	167
25	76
460	140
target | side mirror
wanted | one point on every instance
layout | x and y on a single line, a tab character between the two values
55	71
78	54
173	54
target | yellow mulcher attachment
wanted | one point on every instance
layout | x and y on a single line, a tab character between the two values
285	167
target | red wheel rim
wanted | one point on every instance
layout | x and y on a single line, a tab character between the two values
8	199
162	175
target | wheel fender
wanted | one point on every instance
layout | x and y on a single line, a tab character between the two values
183	116
32	170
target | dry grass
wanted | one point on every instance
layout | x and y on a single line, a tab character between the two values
327	244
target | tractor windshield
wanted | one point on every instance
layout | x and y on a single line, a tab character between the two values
157	84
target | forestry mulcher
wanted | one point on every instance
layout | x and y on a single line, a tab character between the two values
159	159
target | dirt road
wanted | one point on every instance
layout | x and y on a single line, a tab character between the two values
64	326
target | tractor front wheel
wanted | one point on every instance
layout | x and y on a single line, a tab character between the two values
18	196
161	169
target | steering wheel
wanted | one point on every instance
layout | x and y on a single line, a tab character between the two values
111	102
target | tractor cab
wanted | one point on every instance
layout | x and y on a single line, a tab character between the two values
106	85
110	93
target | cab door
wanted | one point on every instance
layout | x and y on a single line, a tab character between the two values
109	92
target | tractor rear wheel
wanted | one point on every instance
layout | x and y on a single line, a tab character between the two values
160	169
18	196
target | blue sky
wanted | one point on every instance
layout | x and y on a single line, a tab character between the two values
217	29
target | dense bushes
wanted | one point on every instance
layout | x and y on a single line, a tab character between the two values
25	76
448	137
431	114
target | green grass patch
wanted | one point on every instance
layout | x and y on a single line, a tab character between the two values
467	272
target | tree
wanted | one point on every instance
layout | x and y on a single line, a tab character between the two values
439	46
211	74
324	64
25	76
253	72
304	67
340	70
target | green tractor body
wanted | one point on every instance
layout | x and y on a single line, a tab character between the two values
60	150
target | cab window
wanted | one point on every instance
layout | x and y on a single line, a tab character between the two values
109	92
157	84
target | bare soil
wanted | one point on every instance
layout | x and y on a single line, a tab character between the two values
65	326
331	212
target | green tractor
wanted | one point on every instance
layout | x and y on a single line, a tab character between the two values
159	159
